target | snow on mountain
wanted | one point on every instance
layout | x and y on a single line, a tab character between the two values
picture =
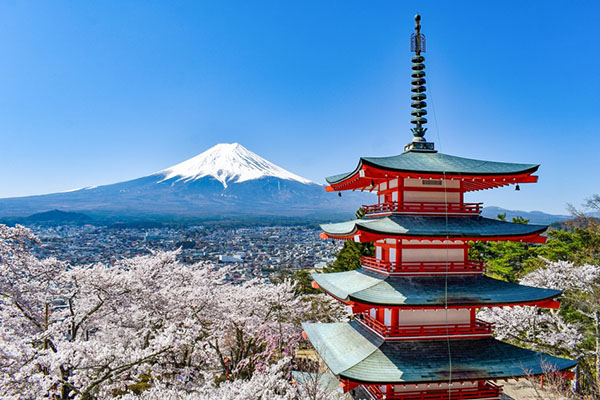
228	162
224	182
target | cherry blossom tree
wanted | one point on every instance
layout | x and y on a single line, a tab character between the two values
551	331
271	383
268	384
151	322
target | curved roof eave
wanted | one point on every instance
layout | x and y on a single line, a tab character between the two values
444	235
352	352
475	166
370	288
410	226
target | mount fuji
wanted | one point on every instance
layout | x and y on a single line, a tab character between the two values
228	162
225	181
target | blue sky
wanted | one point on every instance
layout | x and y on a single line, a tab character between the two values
98	92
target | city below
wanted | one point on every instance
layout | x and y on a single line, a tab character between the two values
250	251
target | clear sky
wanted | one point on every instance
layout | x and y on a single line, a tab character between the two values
99	92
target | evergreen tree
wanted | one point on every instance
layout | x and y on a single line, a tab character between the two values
348	258
505	260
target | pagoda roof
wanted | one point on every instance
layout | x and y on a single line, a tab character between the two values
410	226
367	287
427	162
353	352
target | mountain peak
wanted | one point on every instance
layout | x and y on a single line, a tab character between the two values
228	162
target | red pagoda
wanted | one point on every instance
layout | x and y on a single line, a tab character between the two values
415	334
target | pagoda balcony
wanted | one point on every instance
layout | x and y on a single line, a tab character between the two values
422	267
486	391
422	208
412	332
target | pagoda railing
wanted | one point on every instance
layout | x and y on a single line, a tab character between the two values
486	391
422	267
480	328
423	208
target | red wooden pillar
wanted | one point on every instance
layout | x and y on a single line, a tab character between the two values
400	190
385	252
395	320
381	315
399	248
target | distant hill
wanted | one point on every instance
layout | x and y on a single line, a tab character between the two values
573	223
53	217
534	217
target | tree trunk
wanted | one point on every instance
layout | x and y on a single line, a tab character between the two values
597	315
575	383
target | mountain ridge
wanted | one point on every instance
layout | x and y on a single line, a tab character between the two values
534	217
226	180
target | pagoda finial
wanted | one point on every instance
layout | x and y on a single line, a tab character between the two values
417	45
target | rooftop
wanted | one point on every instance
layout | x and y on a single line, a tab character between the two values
353	352
437	163
410	226
368	287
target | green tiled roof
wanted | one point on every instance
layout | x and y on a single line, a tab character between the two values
353	352
429	162
325	381
372	288
408	225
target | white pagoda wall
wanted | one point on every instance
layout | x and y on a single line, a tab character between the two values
411	190
434	317
443	183
443	254
413	251
425	317
431	197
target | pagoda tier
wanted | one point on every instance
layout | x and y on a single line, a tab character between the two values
414	334
432	227
465	174
442	391
365	289
357	355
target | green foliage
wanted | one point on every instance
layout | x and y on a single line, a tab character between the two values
304	282
505	260
520	220
515	220
580	245
511	260
348	258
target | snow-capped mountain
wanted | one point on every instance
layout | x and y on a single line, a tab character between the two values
225	181
228	162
